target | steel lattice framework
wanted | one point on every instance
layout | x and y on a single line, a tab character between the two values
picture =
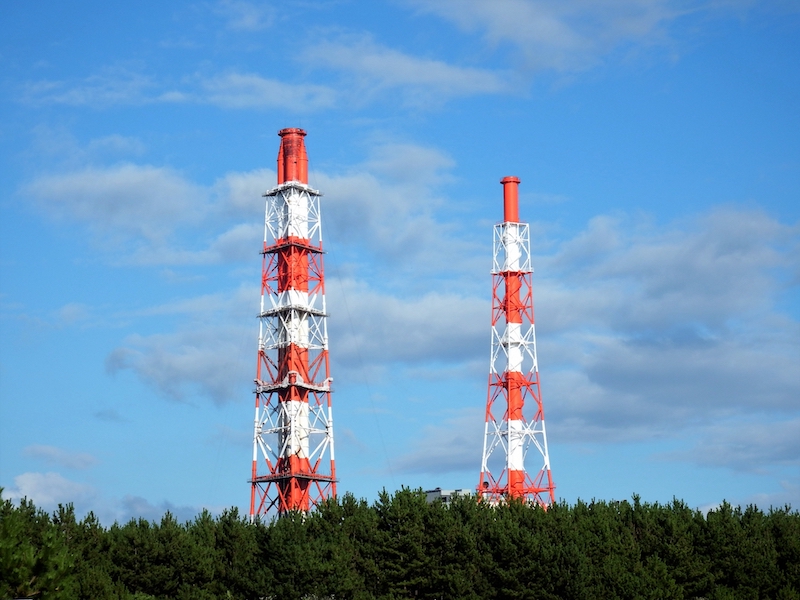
293	451
515	430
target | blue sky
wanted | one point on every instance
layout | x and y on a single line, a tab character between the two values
658	144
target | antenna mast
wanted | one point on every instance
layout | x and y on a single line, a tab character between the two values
293	459
514	430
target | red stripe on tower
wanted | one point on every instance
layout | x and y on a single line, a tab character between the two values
293	458
513	371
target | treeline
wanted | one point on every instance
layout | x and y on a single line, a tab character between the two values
403	547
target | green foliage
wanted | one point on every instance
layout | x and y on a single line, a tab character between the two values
403	547
35	561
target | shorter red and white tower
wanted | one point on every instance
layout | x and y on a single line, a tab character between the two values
514	433
293	465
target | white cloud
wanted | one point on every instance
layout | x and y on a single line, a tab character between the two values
238	243
48	490
746	446
232	90
547	34
72	313
211	360
646	328
246	16
370	68
375	327
236	304
425	81
113	86
211	355
611	388
788	494
151	214
60	457
242	192
453	446
59	146
388	206
410	165
710	267
571	35
692	271
122	201
116	145
248	90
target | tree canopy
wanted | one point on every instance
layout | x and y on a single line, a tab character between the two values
401	546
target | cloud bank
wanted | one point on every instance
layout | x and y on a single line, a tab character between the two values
572	36
49	490
644	330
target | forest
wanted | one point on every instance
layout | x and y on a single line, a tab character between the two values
401	546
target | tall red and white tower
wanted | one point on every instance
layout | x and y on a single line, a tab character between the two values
293	459
515	433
